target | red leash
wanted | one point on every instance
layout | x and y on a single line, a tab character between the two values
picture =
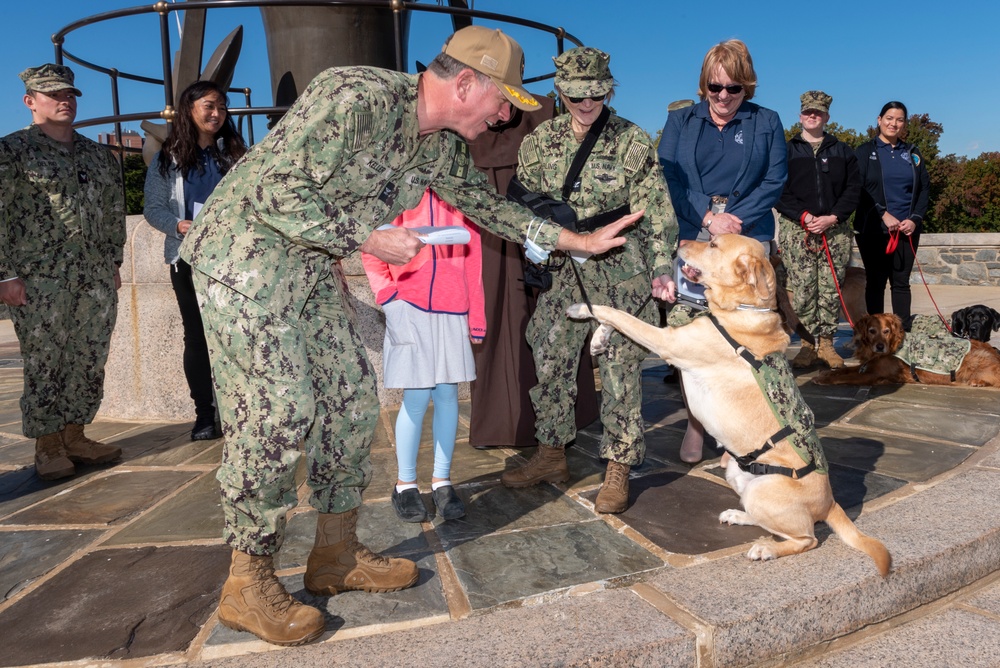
922	278
829	260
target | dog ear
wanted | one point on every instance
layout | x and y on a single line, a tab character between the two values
958	324
758	274
896	331
996	319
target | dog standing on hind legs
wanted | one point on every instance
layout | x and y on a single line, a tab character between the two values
773	460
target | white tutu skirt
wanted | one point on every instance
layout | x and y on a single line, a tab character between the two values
424	349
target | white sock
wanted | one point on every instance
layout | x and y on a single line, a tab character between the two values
405	486
443	483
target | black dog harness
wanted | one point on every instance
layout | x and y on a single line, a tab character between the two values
788	408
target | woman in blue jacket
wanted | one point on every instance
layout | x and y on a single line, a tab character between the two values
725	163
889	219
201	148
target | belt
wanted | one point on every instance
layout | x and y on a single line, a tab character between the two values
719	199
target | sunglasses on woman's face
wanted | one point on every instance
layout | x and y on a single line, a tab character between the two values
578	100
732	89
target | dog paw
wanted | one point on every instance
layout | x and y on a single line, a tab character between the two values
733	516
579	312
821	379
762	552
600	340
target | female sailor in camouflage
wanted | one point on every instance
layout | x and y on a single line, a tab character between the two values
620	173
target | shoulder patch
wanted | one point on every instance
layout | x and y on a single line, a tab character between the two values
363	127
461	161
529	151
636	157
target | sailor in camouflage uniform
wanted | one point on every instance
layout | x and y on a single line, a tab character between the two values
822	190
358	147
63	234
621	171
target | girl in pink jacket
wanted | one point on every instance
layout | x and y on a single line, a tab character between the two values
433	308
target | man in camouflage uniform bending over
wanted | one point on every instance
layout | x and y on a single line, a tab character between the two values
356	149
61	238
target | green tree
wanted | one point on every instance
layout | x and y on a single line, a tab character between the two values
135	181
849	136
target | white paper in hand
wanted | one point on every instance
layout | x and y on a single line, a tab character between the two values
443	235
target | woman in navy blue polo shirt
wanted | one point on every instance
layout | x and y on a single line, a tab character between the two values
725	164
890	216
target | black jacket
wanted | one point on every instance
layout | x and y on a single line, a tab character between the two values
868	219
822	183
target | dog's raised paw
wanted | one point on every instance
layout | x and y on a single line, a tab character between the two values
734	516
579	312
762	552
601	339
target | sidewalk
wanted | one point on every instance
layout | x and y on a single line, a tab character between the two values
123	565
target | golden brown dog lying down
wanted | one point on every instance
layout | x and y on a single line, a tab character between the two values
778	489
877	340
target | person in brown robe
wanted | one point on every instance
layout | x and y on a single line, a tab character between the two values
502	415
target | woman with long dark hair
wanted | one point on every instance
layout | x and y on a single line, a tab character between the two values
894	195
202	146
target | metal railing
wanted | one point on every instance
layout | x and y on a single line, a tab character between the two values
164	9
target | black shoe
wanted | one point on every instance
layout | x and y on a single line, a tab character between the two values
408	505
204	430
449	506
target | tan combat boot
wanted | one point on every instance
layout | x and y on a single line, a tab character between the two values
83	450
548	465
51	462
806	357
254	600
828	354
613	497
338	562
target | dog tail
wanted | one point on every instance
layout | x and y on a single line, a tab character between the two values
845	529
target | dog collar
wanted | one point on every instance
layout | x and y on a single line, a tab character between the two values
751	307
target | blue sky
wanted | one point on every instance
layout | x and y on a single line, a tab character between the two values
937	57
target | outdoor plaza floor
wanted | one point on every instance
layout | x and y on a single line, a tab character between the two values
123	565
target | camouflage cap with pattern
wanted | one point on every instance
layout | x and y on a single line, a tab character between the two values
584	72
816	99
496	55
49	78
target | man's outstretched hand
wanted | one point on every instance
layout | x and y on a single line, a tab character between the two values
602	240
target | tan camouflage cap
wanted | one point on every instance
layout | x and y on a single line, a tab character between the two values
680	104
583	72
497	56
49	78
816	99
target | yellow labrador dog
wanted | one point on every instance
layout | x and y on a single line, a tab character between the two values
738	383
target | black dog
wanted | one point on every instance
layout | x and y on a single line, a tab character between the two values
975	322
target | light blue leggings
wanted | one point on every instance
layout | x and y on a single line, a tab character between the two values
409	424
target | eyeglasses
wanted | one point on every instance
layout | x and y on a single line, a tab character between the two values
732	89
578	100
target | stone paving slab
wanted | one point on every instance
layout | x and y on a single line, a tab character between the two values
898	456
28	555
104	500
680	513
195	513
116	604
606	628
955	637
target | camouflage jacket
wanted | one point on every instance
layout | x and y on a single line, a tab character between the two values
622	169
346	159
931	347
55	197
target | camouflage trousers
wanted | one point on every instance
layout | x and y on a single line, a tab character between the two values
557	343
65	332
810	280
285	388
